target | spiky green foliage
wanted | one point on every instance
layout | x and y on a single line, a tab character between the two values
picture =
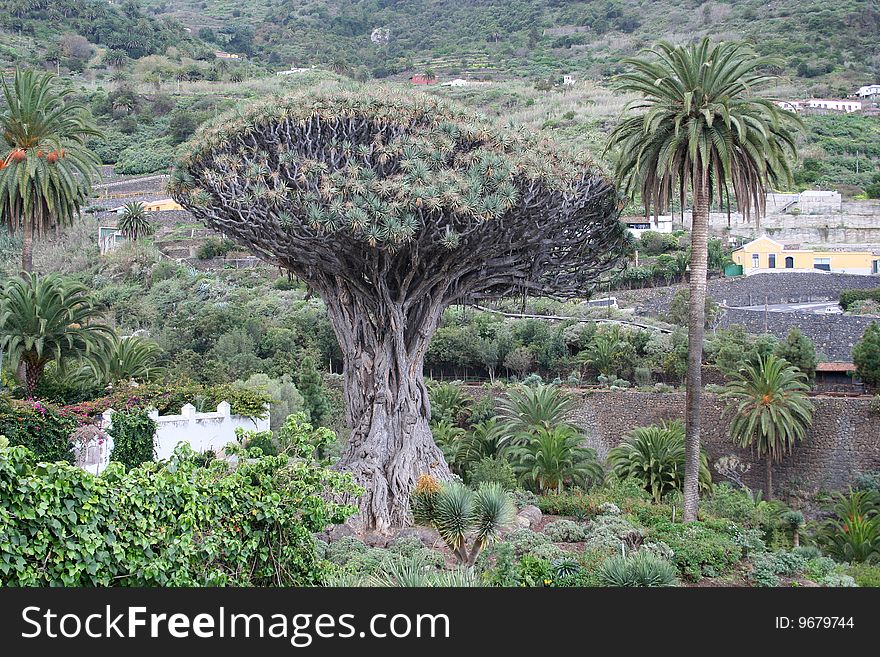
128	359
553	458
448	402
639	569
134	223
46	168
697	114
484	439
45	319
852	533
655	456
527	409
460	514
769	406
384	169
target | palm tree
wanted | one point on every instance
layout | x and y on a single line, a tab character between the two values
655	456
771	410
604	354
46	168
697	128
485	439
127	359
554	457
527	409
45	319
133	224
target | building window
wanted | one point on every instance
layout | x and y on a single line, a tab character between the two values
822	263
771	261
875	267
756	261
789	262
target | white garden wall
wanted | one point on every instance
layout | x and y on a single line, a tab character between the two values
203	431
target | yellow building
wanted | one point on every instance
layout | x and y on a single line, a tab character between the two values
162	205
765	254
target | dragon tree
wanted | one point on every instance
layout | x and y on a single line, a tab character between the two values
391	207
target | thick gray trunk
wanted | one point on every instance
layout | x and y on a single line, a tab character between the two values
696	330
387	406
27	246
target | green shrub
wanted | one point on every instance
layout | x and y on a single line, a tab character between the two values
699	550
865	574
491	470
735	504
524	540
574	504
39	427
172	523
606	533
133	434
534	571
848	297
214	247
565	531
641	569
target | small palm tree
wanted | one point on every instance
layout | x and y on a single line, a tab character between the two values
770	407
655	456
127	359
697	128
46	169
553	458
134	224
852	533
604	354
485	439
45	319
459	513
528	409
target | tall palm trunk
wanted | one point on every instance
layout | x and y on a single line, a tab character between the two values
769	465
696	328
27	244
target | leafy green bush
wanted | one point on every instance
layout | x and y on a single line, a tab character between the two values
491	470
525	541
640	569
852	533
699	550
865	574
172	523
133	434
565	531
214	247
144	158
575	504
848	297
38	426
735	504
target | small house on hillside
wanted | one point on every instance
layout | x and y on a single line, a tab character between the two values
161	205
109	237
837	377
767	255
869	91
639	225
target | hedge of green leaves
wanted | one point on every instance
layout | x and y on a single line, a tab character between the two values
173	523
39	427
849	297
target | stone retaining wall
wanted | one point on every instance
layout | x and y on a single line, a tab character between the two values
843	441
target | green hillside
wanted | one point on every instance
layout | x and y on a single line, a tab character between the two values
819	42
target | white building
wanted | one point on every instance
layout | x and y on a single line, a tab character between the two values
568	80
869	91
834	105
293	71
639	225
457	82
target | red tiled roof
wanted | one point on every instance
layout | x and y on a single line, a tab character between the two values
835	367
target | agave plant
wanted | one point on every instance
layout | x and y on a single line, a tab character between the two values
552	458
655	456
640	569
853	531
460	514
416	572
134	224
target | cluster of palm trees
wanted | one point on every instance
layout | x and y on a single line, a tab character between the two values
531	431
699	130
50	321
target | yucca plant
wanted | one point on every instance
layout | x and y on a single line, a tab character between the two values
655	456
853	531
460	514
46	168
48	318
770	408
554	458
641	569
134	223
